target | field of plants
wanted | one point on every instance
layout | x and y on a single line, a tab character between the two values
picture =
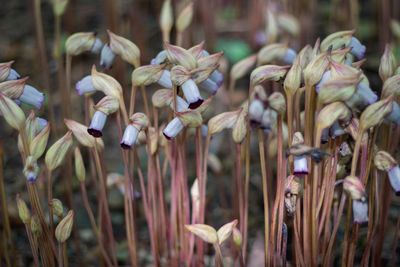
199	133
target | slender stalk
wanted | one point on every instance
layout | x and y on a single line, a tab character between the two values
43	58
396	235
32	245
93	223
265	193
219	260
105	205
61	254
49	200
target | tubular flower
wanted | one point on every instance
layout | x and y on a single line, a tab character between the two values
173	128
85	85
394	178
13	75
357	49
96	46
289	56
106	57
394	116
32	96
130	136
165	79
192	94
209	86
97	124
256	111
360	211
300	166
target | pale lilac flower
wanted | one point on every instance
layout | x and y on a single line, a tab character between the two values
85	86
363	97
300	166
360	211
204	130
18	102
42	123
173	128
325	136
32	96
256	111
394	116
358	49
106	57
209	86
97	124
394	178
13	75
290	56
165	79
217	77
160	58
192	94
326	76
181	104
130	136
96	48
336	130
268	119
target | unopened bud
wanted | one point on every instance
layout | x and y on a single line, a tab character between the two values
337	40
107	84
146	75
384	161
166	16
80	170
354	187
268	72
375	113
59	7
64	228
315	69
80	132
237	237
39	143
80	42
240	130
222	121
185	18
242	67
126	49
56	153
205	232
180	56
388	63
23	210
57	207
225	231
271	52
277	102
12	113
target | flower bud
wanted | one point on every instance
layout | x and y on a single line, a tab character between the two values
126	49
80	42
185	18
166	16
268	72
337	40
179	75
241	68
271	52
360	211
146	75
331	113
35	226
240	129
107	84
59	7
395	26
64	228
85	85
338	89
277	102
56	153
195	195
80	170
205	232
39	143
57	207
388	64
222	121
384	161
225	231
391	86
192	94
107	57
180	56
107	105
197	51
297	139
31	169
289	24
13	114
13	88
7	73
271	26
292	190
80	132
23	210
315	69
162	98
237	237
375	113
354	187
293	78
139	120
